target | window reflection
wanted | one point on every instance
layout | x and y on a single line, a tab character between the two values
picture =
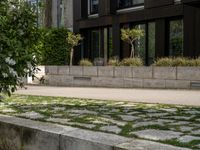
95	43
140	48
151	42
110	43
94	6
176	38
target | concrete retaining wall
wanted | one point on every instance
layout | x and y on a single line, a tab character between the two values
125	77
24	134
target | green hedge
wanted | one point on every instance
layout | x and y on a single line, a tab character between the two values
53	47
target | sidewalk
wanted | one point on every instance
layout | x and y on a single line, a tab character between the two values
183	97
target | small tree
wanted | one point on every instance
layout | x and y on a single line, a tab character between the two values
73	40
130	36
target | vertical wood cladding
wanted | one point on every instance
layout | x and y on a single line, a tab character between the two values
190	1
116	36
197	37
76	10
104	7
157	3
107	7
80	9
191	31
113	6
84	9
161	38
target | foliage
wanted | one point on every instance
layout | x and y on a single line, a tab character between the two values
53	47
19	35
85	62
196	62
136	61
73	41
130	36
177	61
113	61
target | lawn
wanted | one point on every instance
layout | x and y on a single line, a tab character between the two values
171	124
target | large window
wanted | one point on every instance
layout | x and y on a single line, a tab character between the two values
110	43
94	6
140	49
176	38
145	45
95	44
151	43
129	3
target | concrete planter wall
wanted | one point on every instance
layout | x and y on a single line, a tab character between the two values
125	77
24	134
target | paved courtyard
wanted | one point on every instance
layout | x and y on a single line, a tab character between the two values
170	124
182	97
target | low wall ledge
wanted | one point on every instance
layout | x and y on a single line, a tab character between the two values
48	136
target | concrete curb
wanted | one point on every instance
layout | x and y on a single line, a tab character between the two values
26	134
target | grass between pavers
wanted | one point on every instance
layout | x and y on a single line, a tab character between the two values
191	144
95	114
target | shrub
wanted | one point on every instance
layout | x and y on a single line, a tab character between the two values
136	61
85	62
178	61
54	48
113	61
164	62
18	37
196	62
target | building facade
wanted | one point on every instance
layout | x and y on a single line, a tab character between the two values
171	27
54	13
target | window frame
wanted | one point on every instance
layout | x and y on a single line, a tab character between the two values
146	44
90	8
168	34
131	6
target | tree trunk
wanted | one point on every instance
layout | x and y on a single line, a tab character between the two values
132	51
71	56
